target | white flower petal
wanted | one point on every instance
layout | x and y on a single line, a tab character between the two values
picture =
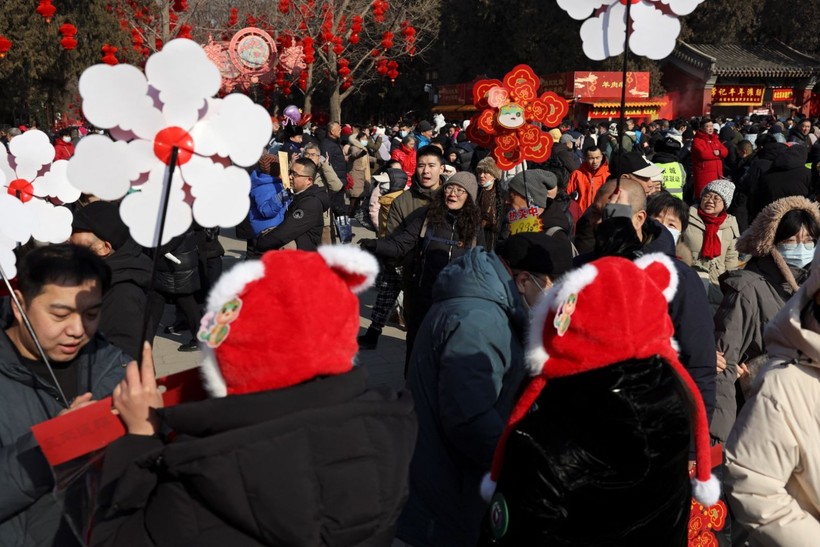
31	150
55	184
50	224
581	9
654	33
235	127
222	199
117	96
140	211
8	260
17	223
185	77
604	36
197	169
682	7
6	172
106	168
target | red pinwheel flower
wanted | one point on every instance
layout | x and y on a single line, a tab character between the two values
510	107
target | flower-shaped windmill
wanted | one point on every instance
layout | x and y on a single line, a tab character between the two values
509	108
169	107
33	183
655	25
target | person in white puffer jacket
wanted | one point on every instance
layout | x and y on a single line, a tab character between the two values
773	452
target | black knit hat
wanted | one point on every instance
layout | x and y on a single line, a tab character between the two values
101	218
537	252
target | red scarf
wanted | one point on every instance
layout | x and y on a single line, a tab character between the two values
711	242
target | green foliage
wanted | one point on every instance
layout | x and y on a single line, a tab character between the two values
38	76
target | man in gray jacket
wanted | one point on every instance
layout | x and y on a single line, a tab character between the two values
61	289
465	372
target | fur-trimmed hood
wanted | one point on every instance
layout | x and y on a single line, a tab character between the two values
758	240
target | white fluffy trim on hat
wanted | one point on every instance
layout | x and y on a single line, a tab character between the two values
212	379
650	262
233	282
352	261
707	493
571	283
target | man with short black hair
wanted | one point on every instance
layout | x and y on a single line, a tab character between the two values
98	227
304	220
61	289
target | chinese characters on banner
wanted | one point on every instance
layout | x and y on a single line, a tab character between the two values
738	95
525	220
784	95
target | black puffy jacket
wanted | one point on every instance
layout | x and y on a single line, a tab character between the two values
322	463
181	277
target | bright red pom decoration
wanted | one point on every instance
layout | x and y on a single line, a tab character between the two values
109	55
68	32
5	46
46	10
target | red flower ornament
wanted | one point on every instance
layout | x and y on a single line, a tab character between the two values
510	107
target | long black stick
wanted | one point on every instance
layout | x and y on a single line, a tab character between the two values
622	121
160	229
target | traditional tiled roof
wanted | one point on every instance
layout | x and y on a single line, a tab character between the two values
745	61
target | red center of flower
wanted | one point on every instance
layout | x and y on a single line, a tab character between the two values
633	1
21	189
170	137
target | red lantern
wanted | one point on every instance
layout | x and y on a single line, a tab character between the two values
234	17
375	53
387	40
109	56
393	74
185	32
346	83
68	31
68	43
46	10
5	46
180	5
354	39
284	6
356	24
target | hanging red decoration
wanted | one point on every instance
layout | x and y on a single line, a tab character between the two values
379	9
284	6
68	32
46	10
387	40
307	47
234	17
354	39
356	24
375	53
109	56
180	5
136	39
346	83
344	68
5	46
185	32
381	67
250	19
393	74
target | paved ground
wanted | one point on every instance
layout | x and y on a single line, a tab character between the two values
385	364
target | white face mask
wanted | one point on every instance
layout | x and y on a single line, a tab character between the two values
363	142
675	233
66	138
487	184
798	255
402	134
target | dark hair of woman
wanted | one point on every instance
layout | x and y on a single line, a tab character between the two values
467	219
664	201
791	223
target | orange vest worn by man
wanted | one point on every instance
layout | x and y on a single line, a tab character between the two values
589	178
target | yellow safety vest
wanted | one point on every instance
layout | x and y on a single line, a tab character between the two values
673	178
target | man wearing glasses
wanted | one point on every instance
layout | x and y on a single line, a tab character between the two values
303	222
325	177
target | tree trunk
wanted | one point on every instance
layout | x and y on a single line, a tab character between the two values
308	102
336	105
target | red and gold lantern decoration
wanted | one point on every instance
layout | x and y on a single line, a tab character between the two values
68	32
380	7
109	55
46	10
5	46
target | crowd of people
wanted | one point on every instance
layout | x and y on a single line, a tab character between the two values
644	282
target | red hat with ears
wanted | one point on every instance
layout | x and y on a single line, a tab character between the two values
606	312
264	327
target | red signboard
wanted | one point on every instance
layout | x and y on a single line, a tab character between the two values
454	94
608	85
737	95
784	95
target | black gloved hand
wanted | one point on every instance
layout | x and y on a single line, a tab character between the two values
368	245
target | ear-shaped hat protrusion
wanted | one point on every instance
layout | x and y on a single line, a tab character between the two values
661	270
356	267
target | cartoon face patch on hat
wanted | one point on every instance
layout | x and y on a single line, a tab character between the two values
215	326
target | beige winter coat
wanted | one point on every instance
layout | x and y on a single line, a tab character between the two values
359	168
773	453
711	270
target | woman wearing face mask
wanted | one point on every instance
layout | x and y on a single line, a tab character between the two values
781	241
63	147
673	214
711	236
490	200
359	172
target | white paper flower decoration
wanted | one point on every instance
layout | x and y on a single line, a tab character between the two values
31	185
655	25
146	115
